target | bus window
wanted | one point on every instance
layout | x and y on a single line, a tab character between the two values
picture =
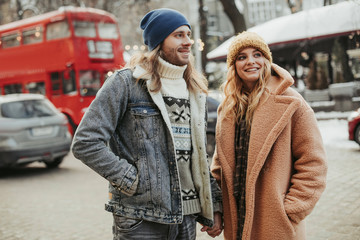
84	29
10	40
57	30
108	31
13	88
69	85
36	87
89	82
55	83
33	35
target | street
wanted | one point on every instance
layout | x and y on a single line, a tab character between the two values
68	203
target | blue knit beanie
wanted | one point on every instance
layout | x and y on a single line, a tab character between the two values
159	23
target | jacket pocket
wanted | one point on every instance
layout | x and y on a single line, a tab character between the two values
125	224
290	224
147	119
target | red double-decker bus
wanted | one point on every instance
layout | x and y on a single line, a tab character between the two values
65	54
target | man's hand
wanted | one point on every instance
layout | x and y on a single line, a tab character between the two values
217	228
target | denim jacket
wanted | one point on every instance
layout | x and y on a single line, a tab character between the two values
125	136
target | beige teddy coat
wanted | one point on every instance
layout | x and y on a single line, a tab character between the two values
286	169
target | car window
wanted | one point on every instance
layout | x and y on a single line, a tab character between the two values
212	104
26	109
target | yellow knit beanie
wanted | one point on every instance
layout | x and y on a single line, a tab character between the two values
244	40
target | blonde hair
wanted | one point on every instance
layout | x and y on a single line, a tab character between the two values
238	102
195	81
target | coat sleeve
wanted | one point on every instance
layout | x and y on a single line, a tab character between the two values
90	143
216	168
310	167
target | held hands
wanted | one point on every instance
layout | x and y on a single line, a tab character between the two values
217	228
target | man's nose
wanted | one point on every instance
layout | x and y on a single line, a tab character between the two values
187	41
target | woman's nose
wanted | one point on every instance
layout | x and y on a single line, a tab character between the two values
251	60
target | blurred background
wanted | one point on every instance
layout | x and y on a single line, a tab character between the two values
65	50
316	40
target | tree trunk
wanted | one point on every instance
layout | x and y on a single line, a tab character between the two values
236	18
19	10
203	35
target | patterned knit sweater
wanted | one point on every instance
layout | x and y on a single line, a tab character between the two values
176	98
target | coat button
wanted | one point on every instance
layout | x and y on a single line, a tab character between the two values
144	111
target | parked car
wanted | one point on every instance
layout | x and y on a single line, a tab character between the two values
213	105
354	126
32	129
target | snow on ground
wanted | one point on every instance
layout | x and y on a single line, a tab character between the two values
335	133
331	115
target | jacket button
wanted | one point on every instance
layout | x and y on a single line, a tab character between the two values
144	111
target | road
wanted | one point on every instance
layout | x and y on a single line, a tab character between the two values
68	203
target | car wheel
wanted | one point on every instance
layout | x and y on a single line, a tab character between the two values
55	163
210	146
357	134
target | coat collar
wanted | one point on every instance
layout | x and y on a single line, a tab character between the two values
280	80
197	100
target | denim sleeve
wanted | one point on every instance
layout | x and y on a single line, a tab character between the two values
215	189
216	195
96	128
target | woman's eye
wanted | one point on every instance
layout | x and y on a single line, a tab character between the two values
258	54
240	57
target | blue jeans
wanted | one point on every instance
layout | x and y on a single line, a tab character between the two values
130	229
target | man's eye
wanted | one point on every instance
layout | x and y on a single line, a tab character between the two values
240	57
258	54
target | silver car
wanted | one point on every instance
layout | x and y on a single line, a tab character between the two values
32	129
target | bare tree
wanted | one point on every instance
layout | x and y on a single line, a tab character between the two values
327	1
295	5
19	10
237	19
203	34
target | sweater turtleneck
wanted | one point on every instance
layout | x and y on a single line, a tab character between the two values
172	81
170	71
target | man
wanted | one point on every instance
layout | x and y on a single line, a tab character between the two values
145	134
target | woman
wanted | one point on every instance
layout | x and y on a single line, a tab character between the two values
269	158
